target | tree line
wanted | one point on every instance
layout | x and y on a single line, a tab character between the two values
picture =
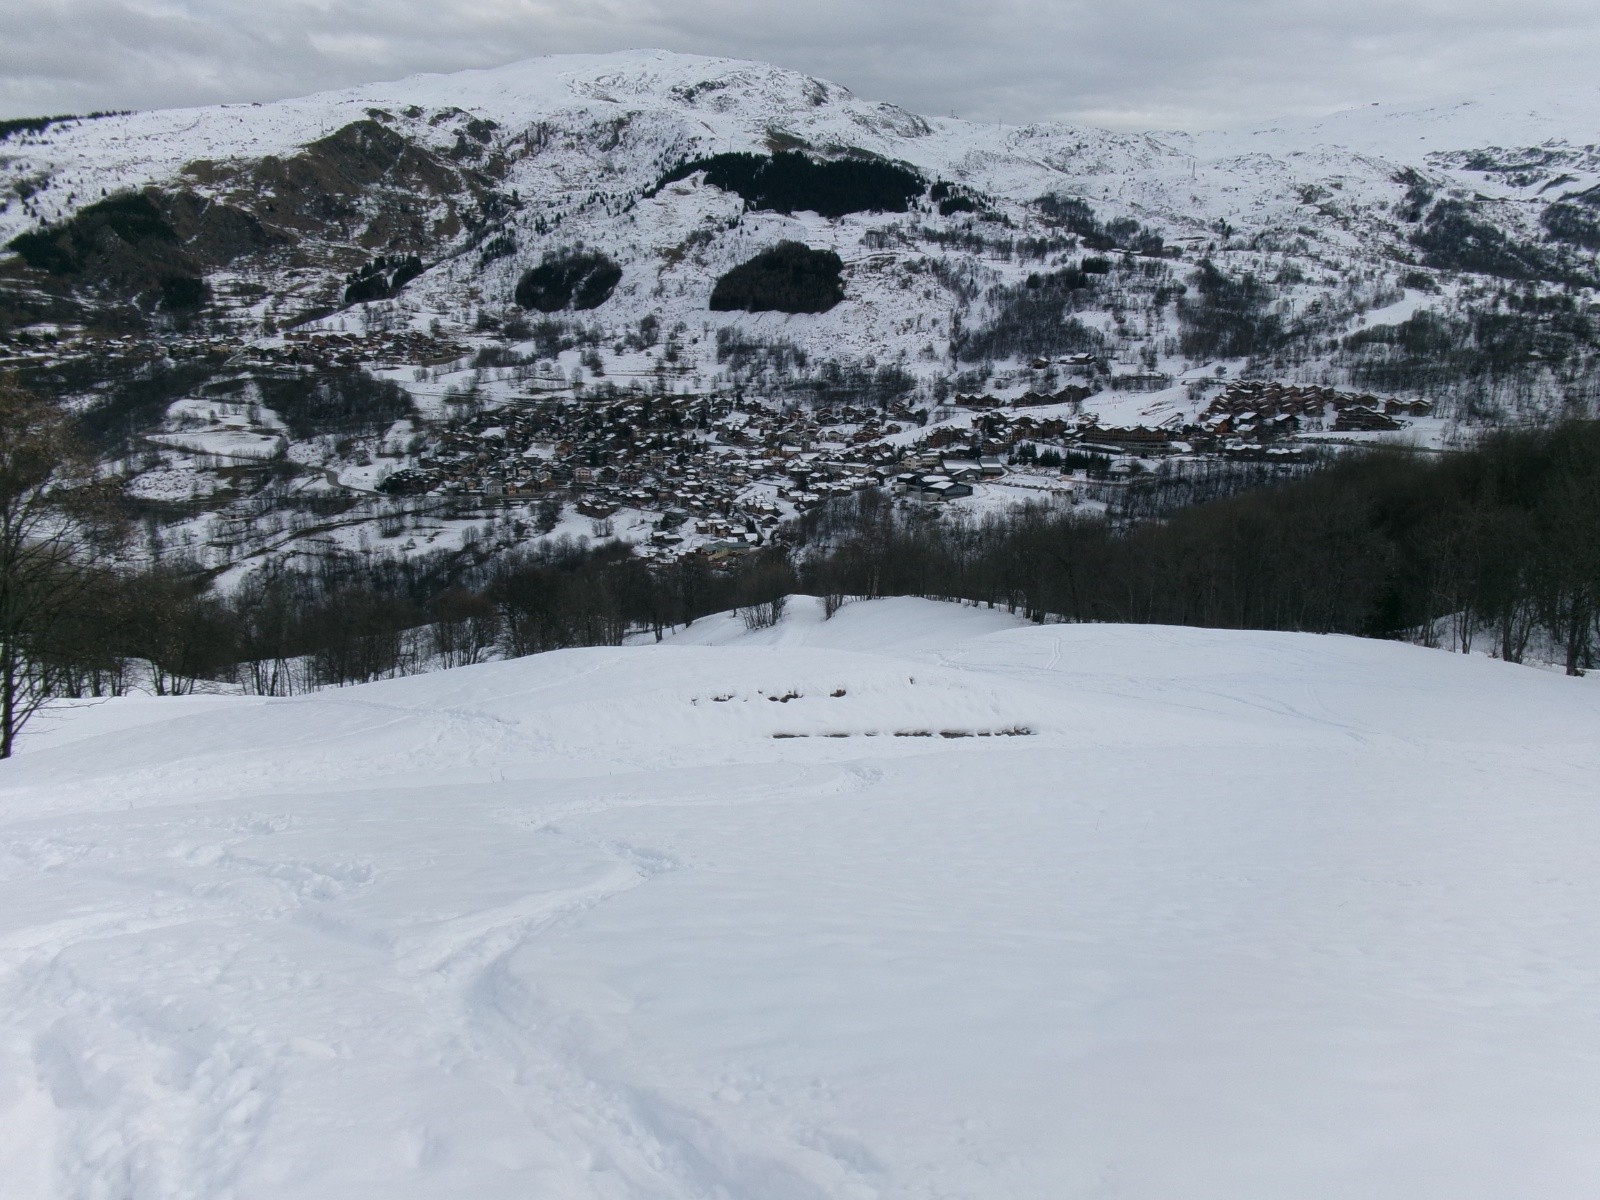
78	620
790	182
1498	544
1497	547
290	628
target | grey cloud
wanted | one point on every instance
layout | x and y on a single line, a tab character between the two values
1137	64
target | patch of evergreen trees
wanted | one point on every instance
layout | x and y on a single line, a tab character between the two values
952	198
790	277
790	182
26	125
381	278
569	279
65	249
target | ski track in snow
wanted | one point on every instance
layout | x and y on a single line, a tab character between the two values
1244	916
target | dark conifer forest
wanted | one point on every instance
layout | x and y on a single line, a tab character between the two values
789	182
569	279
789	278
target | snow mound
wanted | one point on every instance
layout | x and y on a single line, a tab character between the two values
766	914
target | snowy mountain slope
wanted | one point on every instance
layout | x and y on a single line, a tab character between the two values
1242	915
723	104
1523	117
510	164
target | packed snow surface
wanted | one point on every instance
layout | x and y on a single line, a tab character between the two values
1212	915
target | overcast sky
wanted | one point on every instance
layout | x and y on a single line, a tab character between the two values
1130	64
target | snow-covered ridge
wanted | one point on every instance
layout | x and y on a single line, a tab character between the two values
1244	915
735	104
1510	118
481	175
722	98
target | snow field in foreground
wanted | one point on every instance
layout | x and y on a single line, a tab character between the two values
1227	915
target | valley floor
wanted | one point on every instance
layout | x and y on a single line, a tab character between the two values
916	902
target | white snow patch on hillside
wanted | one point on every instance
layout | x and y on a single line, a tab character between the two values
224	443
1240	916
1510	117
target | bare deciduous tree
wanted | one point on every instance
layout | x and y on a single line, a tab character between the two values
46	576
